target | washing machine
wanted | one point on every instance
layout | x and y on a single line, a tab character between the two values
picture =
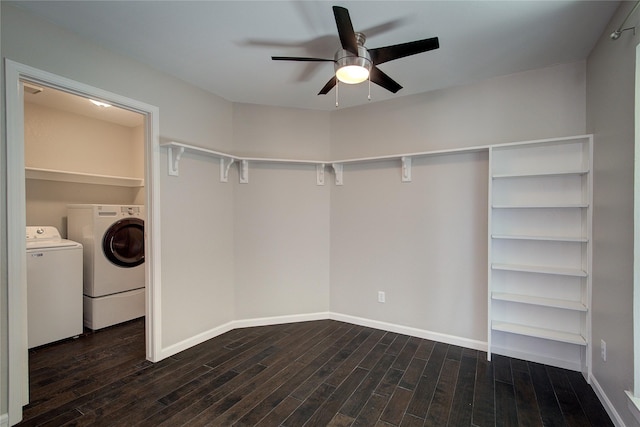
54	287
113	262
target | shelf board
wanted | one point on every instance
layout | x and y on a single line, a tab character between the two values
559	271
539	174
531	331
541	206
81	178
540	238
539	301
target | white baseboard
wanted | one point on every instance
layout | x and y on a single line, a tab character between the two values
414	332
278	320
195	340
235	324
608	406
545	360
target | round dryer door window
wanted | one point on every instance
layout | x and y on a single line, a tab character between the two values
123	242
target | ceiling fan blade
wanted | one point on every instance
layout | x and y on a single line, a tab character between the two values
297	58
345	30
389	53
330	84
381	79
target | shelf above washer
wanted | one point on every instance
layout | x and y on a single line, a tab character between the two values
82	178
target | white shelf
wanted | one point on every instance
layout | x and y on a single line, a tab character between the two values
540	206
540	174
82	178
559	271
540	301
540	238
548	334
177	149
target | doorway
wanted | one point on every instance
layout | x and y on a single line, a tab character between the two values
15	75
84	168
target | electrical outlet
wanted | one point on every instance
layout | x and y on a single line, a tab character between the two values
603	350
381	296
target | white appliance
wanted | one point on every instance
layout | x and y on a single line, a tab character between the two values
114	278
54	286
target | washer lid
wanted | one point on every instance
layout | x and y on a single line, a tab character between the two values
40	237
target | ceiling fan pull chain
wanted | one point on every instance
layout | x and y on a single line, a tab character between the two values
337	85
369	97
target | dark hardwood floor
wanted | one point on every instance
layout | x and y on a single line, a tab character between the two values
311	373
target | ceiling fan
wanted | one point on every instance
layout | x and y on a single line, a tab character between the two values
354	63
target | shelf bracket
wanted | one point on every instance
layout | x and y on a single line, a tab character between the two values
174	159
320	174
224	170
406	168
244	171
337	168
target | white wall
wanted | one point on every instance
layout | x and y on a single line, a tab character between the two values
281	223
544	103
425	243
610	113
197	224
60	140
56	139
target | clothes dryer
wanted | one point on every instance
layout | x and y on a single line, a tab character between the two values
113	262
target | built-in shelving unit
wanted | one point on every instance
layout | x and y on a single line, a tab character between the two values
81	178
539	272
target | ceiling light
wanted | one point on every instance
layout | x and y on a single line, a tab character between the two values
31	88
100	104
352	74
352	69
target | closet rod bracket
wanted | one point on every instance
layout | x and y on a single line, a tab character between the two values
244	171
337	168
175	154
406	168
320	174
224	169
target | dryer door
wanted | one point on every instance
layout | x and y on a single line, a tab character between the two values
123	243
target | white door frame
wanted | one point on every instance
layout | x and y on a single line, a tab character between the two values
16	220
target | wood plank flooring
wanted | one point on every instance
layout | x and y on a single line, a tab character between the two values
321	373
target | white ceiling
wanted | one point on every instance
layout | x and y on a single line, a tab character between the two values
225	47
64	101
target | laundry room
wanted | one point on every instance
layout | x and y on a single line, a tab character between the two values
84	159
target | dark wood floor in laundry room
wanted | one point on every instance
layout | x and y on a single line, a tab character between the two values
311	373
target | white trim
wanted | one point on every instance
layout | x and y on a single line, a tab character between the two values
636	235
633	405
16	218
236	324
276	320
608	406
16	248
195	340
538	358
4	420
414	332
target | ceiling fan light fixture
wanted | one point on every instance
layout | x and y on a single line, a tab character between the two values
352	69
100	103
352	74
